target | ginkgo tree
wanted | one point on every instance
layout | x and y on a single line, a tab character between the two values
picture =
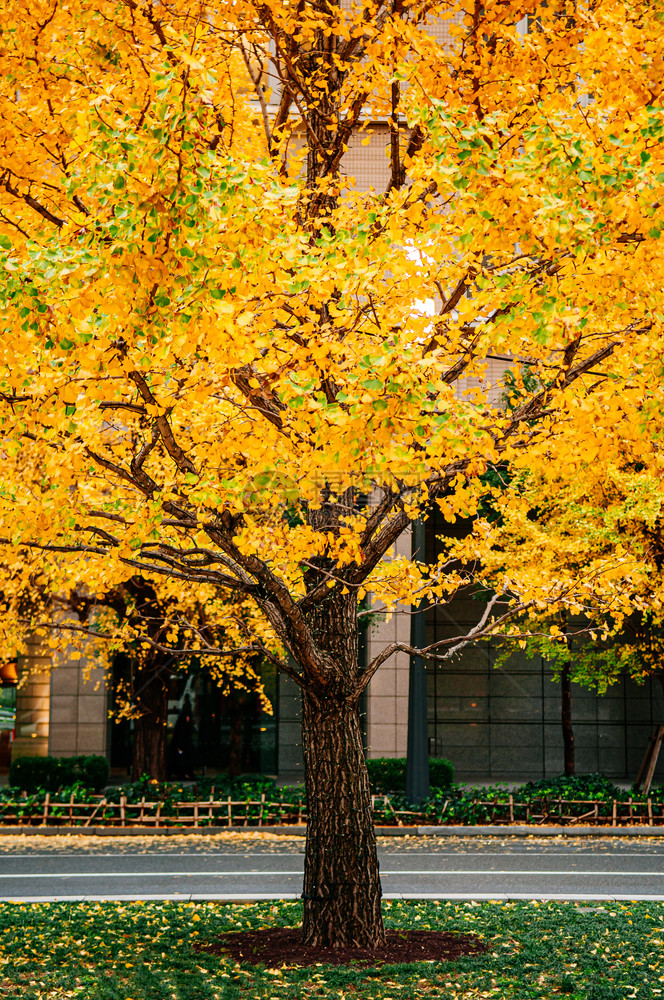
215	360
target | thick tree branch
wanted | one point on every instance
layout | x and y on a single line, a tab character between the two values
283	612
261	397
140	475
258	90
32	202
181	460
455	643
119	405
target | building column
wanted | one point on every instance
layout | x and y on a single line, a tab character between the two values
32	703
387	695
79	714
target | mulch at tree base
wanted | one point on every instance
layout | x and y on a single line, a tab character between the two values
275	947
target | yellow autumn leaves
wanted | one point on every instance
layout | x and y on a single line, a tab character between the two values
216	315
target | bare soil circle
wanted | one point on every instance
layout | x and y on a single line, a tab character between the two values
279	946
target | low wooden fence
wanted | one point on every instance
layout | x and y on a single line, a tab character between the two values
228	812
99	811
539	812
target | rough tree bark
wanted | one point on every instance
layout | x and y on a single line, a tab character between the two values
151	695
342	892
137	599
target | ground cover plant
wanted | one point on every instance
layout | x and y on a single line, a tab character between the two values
152	951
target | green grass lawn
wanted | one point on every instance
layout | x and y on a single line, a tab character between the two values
145	951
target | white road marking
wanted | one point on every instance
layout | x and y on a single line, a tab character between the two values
272	874
207	874
157	854
526	871
580	853
655	850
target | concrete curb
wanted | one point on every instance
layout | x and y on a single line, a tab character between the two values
301	831
257	897
539	831
145	831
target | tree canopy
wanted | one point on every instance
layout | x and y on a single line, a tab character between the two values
591	526
227	362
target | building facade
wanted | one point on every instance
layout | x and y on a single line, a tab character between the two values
496	721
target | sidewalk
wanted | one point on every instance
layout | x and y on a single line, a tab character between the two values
524	830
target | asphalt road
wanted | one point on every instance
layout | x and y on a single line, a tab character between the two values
236	867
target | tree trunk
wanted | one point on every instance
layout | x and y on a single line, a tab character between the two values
236	736
568	732
342	890
151	697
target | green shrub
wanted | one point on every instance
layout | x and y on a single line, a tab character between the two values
388	774
92	771
581	786
441	772
50	773
30	773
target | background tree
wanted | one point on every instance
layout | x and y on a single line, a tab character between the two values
137	619
592	527
225	364
145	628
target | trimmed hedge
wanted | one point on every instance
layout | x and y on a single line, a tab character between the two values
388	774
51	773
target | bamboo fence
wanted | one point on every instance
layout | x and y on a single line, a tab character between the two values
217	812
